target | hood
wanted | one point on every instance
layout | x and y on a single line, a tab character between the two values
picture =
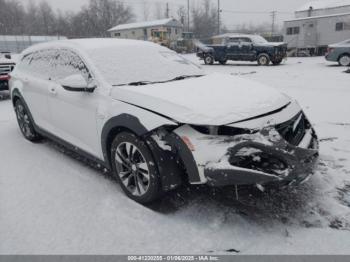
216	99
339	45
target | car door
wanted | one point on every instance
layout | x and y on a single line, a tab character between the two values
74	113
246	48
34	73
232	47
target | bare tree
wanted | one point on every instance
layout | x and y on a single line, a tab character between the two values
146	11
204	19
158	8
92	20
182	14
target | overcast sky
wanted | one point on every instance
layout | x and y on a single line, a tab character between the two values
256	8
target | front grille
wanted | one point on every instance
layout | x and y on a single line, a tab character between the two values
294	130
5	69
256	159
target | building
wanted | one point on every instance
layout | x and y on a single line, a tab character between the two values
318	24
162	31
17	43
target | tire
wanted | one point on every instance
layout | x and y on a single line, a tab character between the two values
134	167
25	122
278	62
344	60
223	62
208	60
263	60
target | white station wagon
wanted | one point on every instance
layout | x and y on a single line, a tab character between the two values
156	120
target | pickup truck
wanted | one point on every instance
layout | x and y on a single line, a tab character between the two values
243	48
6	67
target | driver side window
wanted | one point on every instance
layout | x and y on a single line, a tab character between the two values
67	63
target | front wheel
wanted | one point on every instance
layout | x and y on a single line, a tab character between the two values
263	60
135	169
344	60
25	122
208	60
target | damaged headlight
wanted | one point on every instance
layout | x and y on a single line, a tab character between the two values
222	130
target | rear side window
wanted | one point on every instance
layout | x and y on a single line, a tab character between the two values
38	63
67	63
23	66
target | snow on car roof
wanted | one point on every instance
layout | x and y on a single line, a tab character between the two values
144	24
105	54
232	35
324	4
89	44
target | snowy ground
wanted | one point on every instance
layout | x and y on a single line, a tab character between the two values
53	202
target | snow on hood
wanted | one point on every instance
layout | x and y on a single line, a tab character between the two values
345	43
216	99
274	43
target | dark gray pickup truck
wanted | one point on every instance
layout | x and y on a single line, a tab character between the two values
243	48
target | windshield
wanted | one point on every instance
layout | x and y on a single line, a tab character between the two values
257	39
151	63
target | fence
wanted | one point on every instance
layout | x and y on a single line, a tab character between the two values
17	43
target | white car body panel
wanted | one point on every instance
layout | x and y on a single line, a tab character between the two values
79	118
215	99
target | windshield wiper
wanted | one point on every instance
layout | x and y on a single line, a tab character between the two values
143	83
181	78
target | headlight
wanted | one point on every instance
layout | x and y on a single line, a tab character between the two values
222	130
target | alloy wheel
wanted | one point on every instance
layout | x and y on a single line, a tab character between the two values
132	169
263	60
344	60
24	121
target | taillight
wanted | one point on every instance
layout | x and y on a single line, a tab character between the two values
330	50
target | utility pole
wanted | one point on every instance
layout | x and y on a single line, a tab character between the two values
188	15
273	15
167	10
219	18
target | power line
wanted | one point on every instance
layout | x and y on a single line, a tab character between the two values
188	15
219	21
167	10
273	15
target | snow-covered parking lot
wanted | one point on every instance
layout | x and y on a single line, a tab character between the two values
54	202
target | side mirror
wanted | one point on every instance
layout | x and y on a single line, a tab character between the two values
77	83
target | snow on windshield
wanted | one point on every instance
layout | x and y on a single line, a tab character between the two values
149	63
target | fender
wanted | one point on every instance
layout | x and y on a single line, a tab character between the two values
170	171
113	126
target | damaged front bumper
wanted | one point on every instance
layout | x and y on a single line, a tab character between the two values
261	157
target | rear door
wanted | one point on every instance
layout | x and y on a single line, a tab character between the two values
232	47
246	48
34	74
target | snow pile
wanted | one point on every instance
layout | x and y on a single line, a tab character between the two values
53	203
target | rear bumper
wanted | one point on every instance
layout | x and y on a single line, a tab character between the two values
4	85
